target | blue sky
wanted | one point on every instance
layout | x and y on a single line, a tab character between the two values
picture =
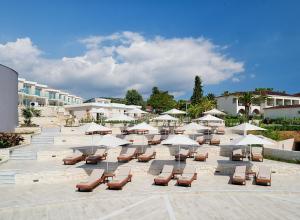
263	35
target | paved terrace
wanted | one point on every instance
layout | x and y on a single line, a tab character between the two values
210	197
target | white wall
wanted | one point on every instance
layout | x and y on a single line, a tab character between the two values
226	104
8	99
282	113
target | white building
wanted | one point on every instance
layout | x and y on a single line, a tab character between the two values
288	111
231	104
101	107
8	99
33	93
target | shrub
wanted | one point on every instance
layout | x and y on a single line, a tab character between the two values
282	121
10	139
28	113
278	127
231	121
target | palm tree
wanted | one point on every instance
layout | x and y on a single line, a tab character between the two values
249	98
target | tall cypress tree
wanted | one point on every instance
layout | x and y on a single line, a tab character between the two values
197	92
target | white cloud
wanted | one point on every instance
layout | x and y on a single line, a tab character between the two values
252	76
235	79
112	64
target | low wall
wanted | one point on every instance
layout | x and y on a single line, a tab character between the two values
282	154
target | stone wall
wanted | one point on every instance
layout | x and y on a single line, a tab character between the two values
282	154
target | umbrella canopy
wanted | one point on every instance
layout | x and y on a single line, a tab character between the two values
247	127
174	112
180	140
143	126
136	111
209	118
251	139
110	141
194	127
214	112
98	111
123	118
93	127
165	118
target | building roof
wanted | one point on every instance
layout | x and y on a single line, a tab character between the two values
297	94
284	107
267	92
9	68
104	105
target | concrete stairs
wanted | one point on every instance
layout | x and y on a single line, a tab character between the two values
7	177
20	154
42	139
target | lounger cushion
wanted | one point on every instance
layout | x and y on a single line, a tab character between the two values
264	172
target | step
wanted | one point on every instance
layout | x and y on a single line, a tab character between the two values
7	177
23	155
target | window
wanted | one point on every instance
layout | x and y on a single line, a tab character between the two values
37	91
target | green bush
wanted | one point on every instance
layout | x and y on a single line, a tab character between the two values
278	127
231	121
282	121
10	139
281	160
274	135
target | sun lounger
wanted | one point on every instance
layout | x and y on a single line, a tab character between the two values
73	159
93	181
165	176
263	176
155	140
182	155
99	155
122	177
148	155
129	155
201	155
214	141
200	140
178	131
239	176
237	155
257	154
188	176
220	130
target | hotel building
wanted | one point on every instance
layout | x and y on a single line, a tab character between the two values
35	94
232	105
98	107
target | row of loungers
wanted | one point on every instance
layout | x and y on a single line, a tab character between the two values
213	141
101	154
189	174
97	177
263	176
201	140
187	177
131	153
183	154
239	154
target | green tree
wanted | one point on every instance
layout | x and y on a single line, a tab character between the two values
248	99
196	110
161	100
182	104
133	97
225	93
211	96
197	92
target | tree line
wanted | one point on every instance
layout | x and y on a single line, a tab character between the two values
160	101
